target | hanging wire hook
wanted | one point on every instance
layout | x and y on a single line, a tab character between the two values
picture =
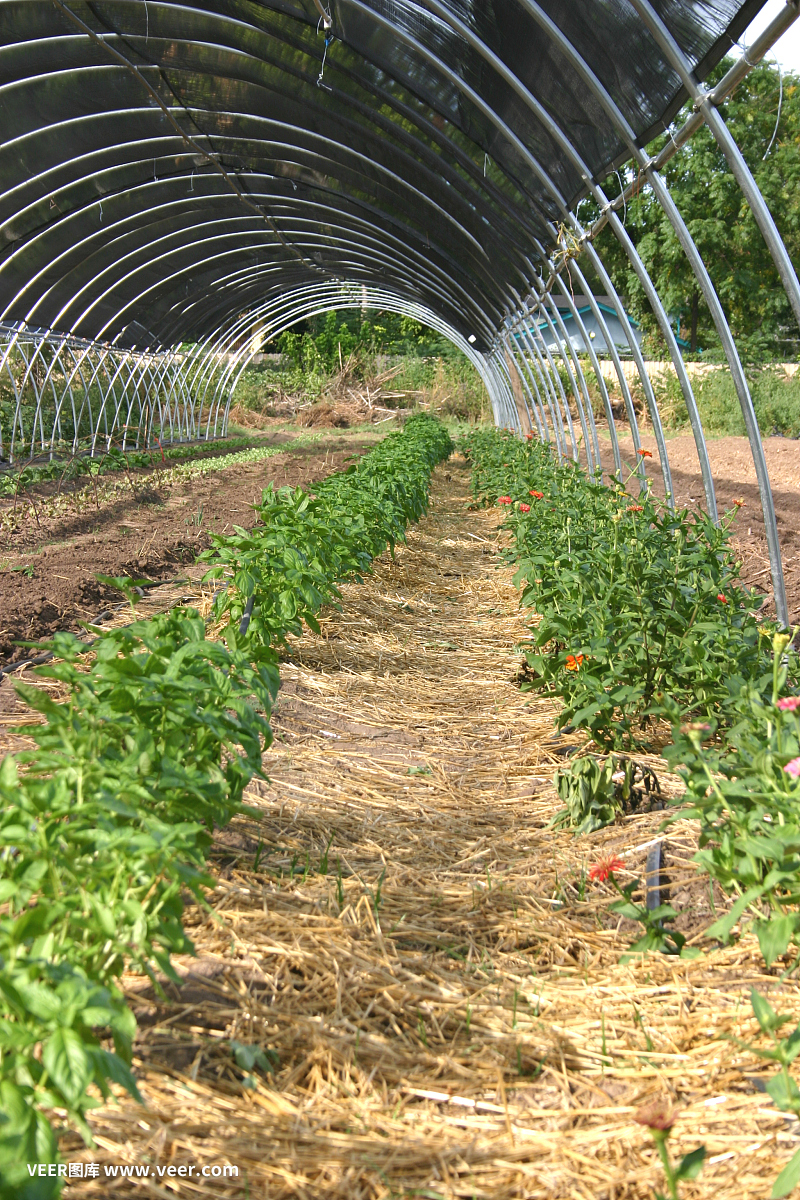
326	21
624	201
328	40
778	118
324	15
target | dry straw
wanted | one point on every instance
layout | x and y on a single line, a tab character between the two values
424	954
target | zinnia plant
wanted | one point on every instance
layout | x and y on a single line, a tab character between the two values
652	599
659	1117
594	567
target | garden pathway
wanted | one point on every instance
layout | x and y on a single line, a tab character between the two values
424	955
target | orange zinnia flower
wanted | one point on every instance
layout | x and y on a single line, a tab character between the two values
635	508
574	661
645	453
538	495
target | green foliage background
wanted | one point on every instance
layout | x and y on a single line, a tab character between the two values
721	224
365	343
315	345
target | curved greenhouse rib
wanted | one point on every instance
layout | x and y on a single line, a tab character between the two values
574	365
704	280
530	361
533	398
727	145
601	383
180	174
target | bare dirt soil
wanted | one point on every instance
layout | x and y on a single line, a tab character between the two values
48	571
735	478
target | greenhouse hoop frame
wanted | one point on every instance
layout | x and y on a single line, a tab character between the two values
183	182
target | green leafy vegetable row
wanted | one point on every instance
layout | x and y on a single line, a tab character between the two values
114	459
165	477
106	826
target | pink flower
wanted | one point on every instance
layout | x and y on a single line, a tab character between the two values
659	1114
789	703
793	768
696	727
524	508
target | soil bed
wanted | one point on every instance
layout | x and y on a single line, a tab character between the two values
195	450
735	478
48	575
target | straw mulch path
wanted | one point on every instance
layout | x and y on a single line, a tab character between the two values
436	980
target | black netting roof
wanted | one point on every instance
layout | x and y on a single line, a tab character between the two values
432	155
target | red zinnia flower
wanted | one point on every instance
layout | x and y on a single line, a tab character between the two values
605	867
529	437
635	508
789	703
722	598
645	453
504	500
538	495
739	503
524	508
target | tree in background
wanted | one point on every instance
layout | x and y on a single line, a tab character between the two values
323	344
722	225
